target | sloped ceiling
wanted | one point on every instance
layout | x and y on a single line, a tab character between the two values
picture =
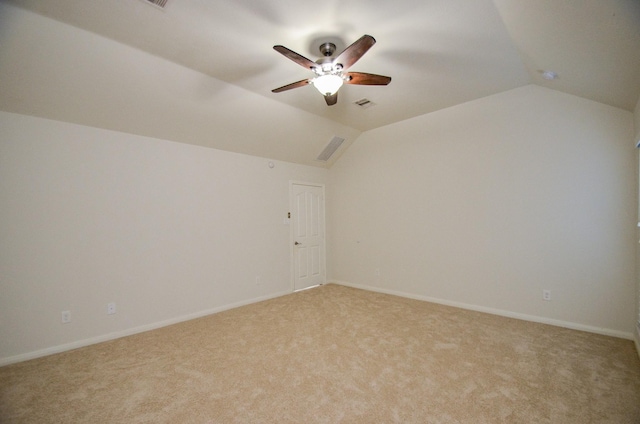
201	71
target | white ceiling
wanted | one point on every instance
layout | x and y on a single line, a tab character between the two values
439	53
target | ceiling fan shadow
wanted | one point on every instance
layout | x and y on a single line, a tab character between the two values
204	88
423	61
247	73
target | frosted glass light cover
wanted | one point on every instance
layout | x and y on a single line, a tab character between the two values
327	84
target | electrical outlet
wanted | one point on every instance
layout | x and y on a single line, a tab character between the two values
111	308
66	317
546	295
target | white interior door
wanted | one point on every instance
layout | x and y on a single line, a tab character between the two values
307	225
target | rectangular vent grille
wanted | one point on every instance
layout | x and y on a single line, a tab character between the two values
331	148
364	103
157	3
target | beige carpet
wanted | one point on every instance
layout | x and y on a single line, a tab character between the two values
329	355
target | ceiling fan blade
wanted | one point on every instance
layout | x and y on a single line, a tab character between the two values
361	78
299	59
351	54
291	86
331	99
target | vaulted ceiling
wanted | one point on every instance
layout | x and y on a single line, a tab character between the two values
201	71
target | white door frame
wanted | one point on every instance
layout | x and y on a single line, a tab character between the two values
323	265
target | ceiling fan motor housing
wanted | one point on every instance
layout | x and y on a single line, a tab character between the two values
327	49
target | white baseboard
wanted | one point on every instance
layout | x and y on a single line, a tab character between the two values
500	312
131	331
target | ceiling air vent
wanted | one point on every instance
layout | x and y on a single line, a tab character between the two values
330	149
364	103
157	3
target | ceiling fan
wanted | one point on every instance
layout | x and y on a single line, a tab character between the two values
331	71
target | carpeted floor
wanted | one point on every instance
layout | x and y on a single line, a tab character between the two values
334	355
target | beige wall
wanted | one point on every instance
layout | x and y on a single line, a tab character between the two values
166	230
481	205
486	204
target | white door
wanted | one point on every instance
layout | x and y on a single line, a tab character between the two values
307	226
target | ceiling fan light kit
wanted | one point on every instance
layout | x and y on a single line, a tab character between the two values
328	84
331	71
